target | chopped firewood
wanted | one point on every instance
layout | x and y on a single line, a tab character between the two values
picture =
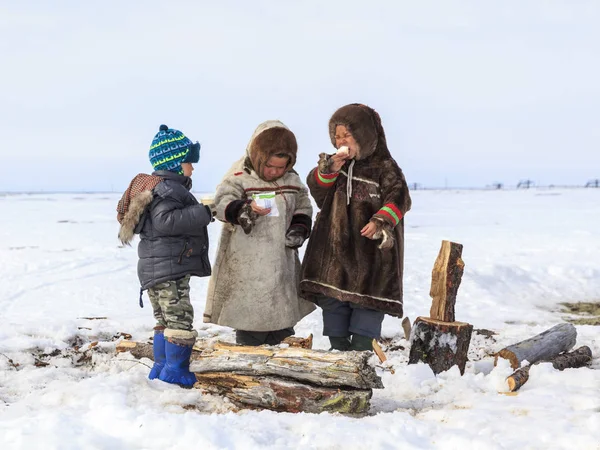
577	358
406	327
543	347
301	342
445	281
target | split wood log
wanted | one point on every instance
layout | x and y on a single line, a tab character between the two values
294	341
279	394
319	367
440	344
406	327
558	339
577	358
445	281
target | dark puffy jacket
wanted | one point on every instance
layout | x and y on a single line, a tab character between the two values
174	237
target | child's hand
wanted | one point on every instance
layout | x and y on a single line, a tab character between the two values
258	210
378	229
369	230
337	161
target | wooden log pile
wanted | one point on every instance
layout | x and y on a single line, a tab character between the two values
439	340
291	379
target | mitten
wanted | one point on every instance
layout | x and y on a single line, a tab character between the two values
385	232
295	236
324	163
247	218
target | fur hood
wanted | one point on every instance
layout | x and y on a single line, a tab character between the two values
269	139
365	125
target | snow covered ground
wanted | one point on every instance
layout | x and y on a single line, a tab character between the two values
525	252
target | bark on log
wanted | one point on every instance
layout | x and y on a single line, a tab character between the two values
558	339
577	358
313	366
440	344
332	369
571	360
278	394
518	378
445	281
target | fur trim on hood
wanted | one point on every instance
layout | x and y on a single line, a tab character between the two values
133	215
269	139
365	125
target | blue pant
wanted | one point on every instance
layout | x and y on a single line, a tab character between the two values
342	319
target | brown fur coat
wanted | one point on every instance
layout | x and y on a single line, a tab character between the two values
339	262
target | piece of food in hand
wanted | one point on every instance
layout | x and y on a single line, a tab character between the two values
343	151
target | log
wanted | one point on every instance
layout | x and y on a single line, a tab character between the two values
571	360
279	394
319	367
558	339
440	344
518	378
445	281
577	358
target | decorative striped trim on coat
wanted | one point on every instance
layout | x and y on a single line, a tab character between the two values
391	212
326	179
352	294
276	189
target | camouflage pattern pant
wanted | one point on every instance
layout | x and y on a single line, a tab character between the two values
171	304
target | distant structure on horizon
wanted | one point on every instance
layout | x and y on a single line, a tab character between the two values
593	183
525	184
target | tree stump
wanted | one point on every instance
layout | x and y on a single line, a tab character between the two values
558	339
445	281
440	344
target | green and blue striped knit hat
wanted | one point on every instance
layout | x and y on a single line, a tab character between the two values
170	148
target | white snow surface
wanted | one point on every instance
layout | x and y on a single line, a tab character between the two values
66	283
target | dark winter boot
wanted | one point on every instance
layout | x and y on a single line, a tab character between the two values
361	343
158	348
339	343
178	348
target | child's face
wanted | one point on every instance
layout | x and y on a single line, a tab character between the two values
188	168
275	168
344	137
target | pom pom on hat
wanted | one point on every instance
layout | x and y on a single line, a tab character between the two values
163	128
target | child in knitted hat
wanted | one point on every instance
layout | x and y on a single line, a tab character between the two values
173	246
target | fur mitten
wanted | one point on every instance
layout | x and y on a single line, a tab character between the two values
295	236
385	232
247	218
324	164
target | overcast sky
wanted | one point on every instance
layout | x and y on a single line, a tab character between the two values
470	92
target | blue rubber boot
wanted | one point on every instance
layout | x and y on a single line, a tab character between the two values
158	348
177	365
